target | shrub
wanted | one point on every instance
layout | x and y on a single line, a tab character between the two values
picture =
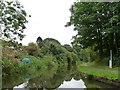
88	55
116	61
32	49
7	52
9	66
68	47
74	57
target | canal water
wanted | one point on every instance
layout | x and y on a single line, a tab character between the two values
51	79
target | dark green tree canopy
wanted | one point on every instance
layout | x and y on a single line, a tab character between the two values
51	40
12	20
97	24
68	47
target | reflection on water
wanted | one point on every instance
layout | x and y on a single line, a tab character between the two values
24	85
66	84
52	79
73	84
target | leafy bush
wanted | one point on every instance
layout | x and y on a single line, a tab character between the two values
9	66
32	49
7	52
53	49
116	61
74	57
88	55
51	40
68	47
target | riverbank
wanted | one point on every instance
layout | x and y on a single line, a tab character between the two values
15	67
106	75
115	82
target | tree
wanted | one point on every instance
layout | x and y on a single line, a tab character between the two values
32	49
53	49
12	20
39	41
97	25
47	44
68	47
51	40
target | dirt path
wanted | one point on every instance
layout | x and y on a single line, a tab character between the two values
101	69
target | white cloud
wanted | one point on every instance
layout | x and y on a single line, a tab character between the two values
48	20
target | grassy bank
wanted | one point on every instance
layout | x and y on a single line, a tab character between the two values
110	75
98	71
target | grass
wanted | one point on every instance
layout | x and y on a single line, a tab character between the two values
101	73
98	65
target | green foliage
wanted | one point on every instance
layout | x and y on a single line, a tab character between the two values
97	25
33	49
43	51
116	61
50	55
5	43
11	67
44	77
47	41
10	44
68	47
12	20
74	57
63	54
77	49
55	49
9	53
88	55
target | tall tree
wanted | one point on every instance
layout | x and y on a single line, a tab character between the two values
12	20
97	25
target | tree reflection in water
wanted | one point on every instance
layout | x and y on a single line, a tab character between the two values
52	79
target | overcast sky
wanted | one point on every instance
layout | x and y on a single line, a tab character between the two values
48	20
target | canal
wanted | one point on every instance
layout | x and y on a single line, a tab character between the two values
51	79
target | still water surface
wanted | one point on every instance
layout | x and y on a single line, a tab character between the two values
66	84
52	79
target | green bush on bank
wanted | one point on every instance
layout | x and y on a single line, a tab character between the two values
51	54
116	61
88	55
32	49
105	61
11	67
